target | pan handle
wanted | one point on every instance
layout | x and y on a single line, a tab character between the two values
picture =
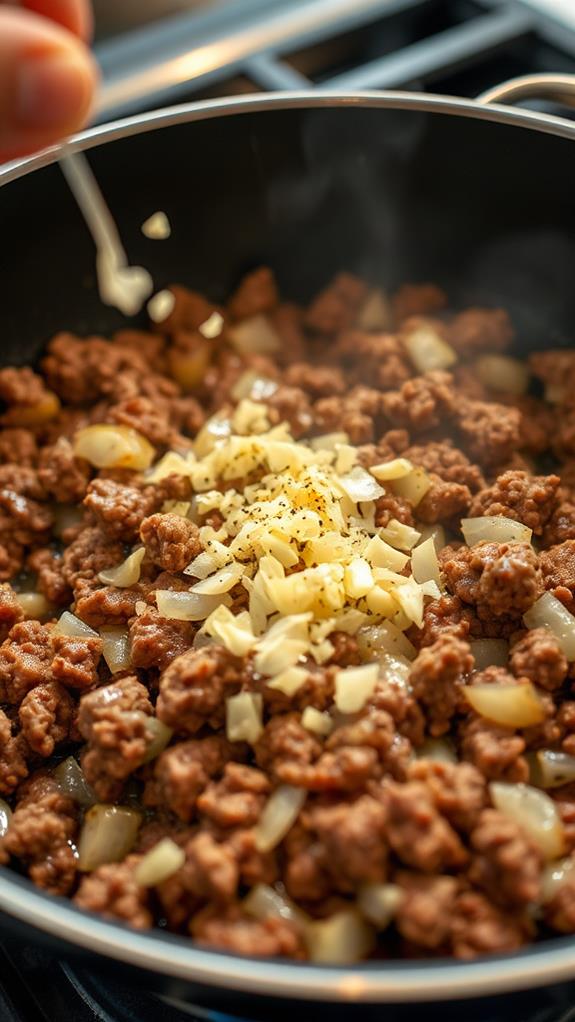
557	87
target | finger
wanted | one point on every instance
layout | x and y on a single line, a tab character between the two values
47	82
75	15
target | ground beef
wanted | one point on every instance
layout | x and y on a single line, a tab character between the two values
478	927
155	641
14	754
144	415
113	721
527	499
458	790
359	414
337	306
237	799
19	447
558	566
291	405
489	432
417	299
112	891
21	386
233	931
91	552
417	833
560	911
444	614
64	477
25	659
182	772
441	458
425	911
479	330
505	864
41	833
46	715
75	660
561	525
171	542
422	402
373	359
257	293
436	676
501	580
193	688
538	656
107	605
353	835
119	509
443	501
495	751
10	610
320	381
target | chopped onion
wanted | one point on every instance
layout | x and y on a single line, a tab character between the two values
398	535
354	686
427	349
357	578
398	468
265	902
108	446
549	612
494	529
552	769
125	574
186	606
378	903
328	441
256	336
161	305
212	326
116	648
71	781
254	386
316	721
436	533
234	632
161	862
5	817
508	705
554	875
289	681
161	735
283	644
189	367
382	555
439	749
108	834
424	563
412	487
375	640
69	624
44	410
375	313
221	582
342	938
278	817
535	812
157	226
170	464
34	605
489	653
244	717
360	485
503	373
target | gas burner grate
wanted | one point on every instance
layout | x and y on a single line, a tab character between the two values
452	46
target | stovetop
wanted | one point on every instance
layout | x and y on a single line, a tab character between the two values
458	47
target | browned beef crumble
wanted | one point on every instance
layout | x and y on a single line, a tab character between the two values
398	793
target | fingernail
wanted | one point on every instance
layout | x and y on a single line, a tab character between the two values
52	90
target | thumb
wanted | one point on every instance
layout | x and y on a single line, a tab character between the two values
47	82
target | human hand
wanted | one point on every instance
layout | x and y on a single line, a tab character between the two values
47	74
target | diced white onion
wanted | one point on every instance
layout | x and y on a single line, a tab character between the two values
289	681
503	373
108	834
212	326
157	226
69	624
278	817
489	653
235	632
283	644
549	612
160	735
34	605
357	578
5	817
108	446
552	769
382	555
116	648
161	305
125	574
256	335
436	533
398	535
328	441
508	705
339	940
244	717
71	781
160	863
316	721
427	349
220	582
360	485
375	640
253	385
554	876
398	468
424	563
354	686
171	463
494	529
439	749
375	313
535	812
186	606
264	902
378	903
413	486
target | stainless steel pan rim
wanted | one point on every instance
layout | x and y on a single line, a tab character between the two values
189	112
407	982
